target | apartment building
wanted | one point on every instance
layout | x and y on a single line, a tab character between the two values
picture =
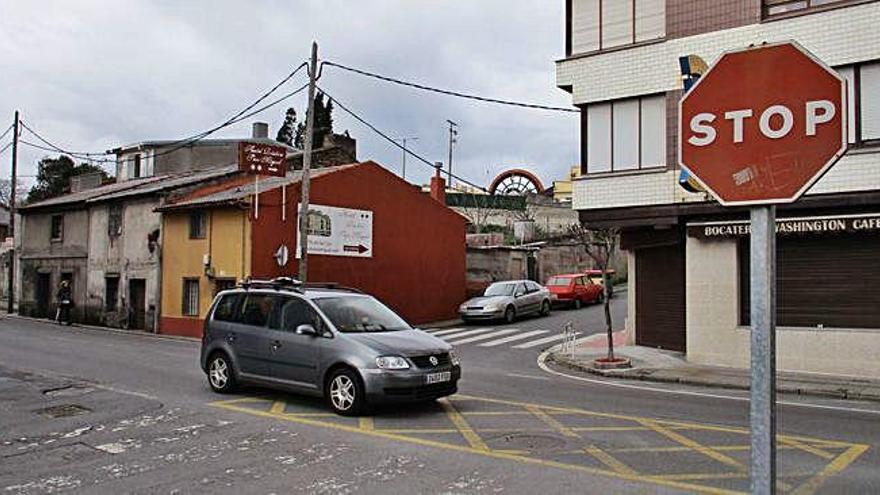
687	255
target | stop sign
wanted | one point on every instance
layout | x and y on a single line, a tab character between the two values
763	124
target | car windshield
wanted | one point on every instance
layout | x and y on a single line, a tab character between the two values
360	314
500	290
559	281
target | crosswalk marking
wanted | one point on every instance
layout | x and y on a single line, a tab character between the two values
513	338
465	334
545	340
438	333
482	337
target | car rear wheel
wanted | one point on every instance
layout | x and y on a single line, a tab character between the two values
509	314
220	374
345	393
545	308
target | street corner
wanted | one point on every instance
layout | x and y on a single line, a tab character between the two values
690	456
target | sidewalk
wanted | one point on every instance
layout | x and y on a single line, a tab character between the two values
671	367
139	333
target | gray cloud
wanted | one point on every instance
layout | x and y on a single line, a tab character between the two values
95	74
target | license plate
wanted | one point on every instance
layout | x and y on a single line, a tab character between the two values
443	376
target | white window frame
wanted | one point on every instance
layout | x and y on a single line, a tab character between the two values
638	131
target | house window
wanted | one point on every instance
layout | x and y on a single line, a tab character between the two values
774	7
111	292
114	220
190	297
863	102
136	166
198	225
57	229
222	284
625	134
601	24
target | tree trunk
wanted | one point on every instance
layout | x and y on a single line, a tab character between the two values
607	303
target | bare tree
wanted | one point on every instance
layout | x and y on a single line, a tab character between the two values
599	244
477	207
6	192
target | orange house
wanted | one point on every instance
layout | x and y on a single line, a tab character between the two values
216	235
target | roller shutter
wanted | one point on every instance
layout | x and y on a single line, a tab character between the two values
660	298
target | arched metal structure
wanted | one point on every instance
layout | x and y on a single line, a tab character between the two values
516	182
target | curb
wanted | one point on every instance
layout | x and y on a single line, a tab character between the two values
839	393
119	331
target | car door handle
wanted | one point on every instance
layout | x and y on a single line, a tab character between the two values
230	337
275	345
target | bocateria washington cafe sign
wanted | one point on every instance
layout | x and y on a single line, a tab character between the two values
790	226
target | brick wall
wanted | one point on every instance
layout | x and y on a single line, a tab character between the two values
690	17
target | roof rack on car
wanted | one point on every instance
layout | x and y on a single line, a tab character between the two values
276	283
330	286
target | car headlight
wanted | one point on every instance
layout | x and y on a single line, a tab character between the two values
453	358
392	363
492	307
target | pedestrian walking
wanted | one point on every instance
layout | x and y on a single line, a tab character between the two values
65	303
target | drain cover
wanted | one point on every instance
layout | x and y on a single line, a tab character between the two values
63	410
526	441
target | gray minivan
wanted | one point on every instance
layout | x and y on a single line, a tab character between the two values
325	341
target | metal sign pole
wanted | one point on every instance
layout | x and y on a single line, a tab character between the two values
763	349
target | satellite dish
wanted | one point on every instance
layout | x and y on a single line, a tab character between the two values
281	255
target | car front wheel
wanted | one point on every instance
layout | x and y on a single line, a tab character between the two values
577	303
220	374
345	393
509	314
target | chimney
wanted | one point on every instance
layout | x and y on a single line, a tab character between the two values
79	183
438	185
260	130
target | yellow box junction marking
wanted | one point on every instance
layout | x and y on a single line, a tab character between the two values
831	456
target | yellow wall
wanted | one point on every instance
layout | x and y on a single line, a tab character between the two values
228	244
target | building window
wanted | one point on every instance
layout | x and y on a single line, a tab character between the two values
57	229
136	166
774	7
601	24
190	297
114	220
111	292
198	225
625	134
863	102
222	284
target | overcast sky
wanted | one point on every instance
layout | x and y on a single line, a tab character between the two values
91	75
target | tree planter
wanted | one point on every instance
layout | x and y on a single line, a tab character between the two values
611	364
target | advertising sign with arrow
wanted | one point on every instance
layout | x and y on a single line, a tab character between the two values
337	231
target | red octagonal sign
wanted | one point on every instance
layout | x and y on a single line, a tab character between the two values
763	124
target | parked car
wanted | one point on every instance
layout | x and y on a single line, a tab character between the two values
507	301
326	341
574	289
596	277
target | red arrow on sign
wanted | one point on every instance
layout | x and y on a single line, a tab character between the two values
360	249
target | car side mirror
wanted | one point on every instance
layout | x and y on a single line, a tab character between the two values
306	330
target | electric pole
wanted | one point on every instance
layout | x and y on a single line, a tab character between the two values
307	164
13	185
452	140
403	168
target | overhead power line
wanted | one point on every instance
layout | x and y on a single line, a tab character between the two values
5	148
245	113
6	132
449	92
391	140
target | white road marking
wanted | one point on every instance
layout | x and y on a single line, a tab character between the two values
438	332
482	337
542	358
469	332
545	340
513	338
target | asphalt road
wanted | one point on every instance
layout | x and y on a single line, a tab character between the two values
102	412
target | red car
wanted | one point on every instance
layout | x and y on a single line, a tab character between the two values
574	289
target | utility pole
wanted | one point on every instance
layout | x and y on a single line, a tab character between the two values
13	186
307	165
452	140
403	168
